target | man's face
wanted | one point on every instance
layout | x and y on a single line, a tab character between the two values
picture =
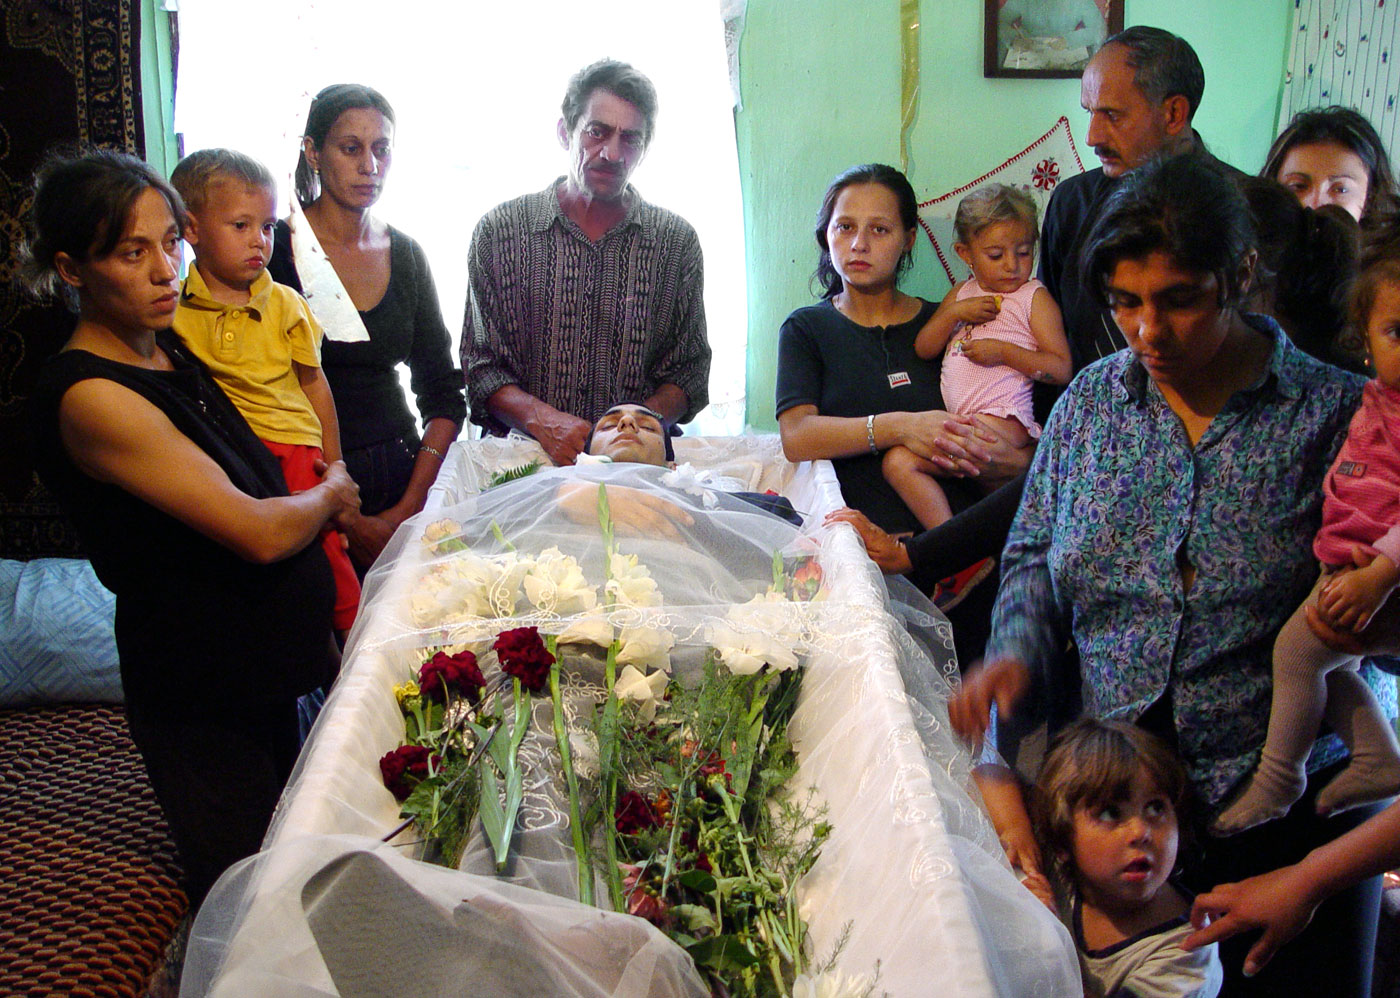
1125	128
605	146
630	433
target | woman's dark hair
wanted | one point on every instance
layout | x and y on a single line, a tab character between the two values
326	109
1306	261
1183	206
81	206
617	78
1379	264
1349	129
871	173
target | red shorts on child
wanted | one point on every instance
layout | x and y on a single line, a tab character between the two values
299	468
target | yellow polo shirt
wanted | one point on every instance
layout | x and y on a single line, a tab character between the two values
249	349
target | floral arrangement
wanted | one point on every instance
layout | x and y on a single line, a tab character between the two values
680	804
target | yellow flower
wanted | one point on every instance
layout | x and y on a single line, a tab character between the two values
405	690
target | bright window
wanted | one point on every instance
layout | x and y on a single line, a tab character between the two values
476	90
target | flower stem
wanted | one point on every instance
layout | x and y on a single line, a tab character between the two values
566	757
610	754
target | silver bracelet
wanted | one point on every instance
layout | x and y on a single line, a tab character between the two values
870	433
433	451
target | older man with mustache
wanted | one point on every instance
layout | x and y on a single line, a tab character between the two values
584	293
1141	90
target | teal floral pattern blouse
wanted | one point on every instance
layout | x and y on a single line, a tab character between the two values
1116	491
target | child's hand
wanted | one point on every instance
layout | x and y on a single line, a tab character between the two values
1021	849
973	311
1350	598
1039	885
985	352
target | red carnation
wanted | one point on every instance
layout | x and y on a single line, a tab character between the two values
456	673
406	763
524	656
634	814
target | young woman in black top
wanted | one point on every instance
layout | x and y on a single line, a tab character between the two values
223	599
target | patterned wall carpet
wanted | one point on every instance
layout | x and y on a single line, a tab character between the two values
70	74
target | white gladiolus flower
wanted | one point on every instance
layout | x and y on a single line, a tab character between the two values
590	628
555	583
632	684
631	584
756	633
642	646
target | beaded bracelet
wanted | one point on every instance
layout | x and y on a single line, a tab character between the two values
432	450
870	433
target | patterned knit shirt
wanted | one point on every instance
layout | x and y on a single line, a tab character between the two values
581	324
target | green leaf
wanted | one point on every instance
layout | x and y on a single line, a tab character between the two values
722	953
694	916
697	880
504	752
513	474
492	818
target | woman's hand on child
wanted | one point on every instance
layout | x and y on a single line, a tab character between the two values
1279	902
888	554
974	311
958	444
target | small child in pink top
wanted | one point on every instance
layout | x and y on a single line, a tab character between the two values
1001	331
1360	519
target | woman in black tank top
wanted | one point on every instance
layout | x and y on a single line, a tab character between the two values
223	601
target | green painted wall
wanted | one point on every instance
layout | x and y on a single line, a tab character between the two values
821	92
158	87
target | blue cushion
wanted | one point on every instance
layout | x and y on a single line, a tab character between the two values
56	641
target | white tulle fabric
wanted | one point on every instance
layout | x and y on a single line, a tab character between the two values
911	878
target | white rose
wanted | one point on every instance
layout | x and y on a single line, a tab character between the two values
555	583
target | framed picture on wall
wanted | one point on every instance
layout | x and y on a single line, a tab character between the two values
1046	39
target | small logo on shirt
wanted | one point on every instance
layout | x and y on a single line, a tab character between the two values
1352	469
899	379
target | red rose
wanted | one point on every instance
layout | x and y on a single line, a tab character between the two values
807	579
524	656
634	814
405	767
456	673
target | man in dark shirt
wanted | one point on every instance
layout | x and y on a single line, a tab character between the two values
1141	90
584	292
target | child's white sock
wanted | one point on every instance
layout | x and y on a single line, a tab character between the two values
1271	791
1374	772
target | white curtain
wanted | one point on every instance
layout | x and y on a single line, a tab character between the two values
1345	52
476	88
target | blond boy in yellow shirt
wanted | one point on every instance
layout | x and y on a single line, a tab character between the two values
258	338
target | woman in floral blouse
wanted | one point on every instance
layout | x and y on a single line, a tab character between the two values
1166	529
